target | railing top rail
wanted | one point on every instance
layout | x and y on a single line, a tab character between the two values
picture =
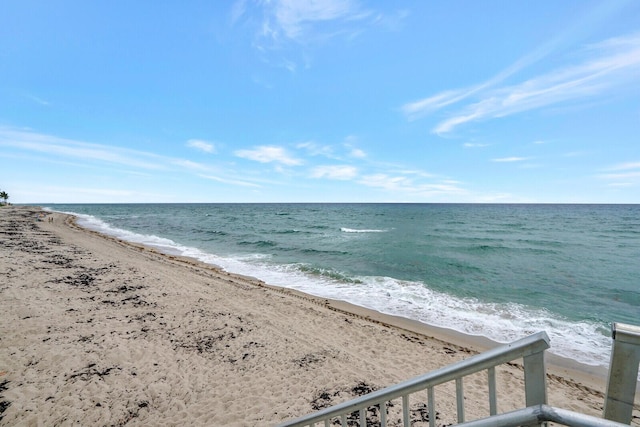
535	415
626	333
532	344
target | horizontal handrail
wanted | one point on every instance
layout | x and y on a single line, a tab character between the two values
524	347
539	414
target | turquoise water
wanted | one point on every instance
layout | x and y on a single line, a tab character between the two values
500	271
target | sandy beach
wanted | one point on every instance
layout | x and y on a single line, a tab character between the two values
96	331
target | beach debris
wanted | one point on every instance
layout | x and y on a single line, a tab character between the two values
310	359
132	412
4	404
59	260
90	370
419	411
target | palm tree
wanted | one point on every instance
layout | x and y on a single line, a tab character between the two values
4	196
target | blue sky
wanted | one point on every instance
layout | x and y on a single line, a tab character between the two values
320	101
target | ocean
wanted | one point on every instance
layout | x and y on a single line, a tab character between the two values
498	271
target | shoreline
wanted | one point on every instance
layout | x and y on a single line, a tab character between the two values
593	376
99	330
483	308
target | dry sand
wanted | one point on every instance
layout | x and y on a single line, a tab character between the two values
96	331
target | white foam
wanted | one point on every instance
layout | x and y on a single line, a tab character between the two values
580	341
353	230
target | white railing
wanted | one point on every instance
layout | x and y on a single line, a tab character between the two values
530	349
535	415
618	406
623	373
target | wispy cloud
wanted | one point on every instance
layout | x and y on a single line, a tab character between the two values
63	150
405	185
269	154
509	159
350	143
625	166
188	164
284	26
606	67
199	144
315	149
66	148
338	172
619	176
418	173
300	21
237	10
293	17
231	181
422	107
39	100
474	145
625	174
358	153
579	153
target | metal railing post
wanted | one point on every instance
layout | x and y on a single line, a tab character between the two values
535	379
623	373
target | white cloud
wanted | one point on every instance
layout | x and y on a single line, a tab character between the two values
349	143
358	153
344	172
282	27
201	145
95	191
474	145
39	100
238	10
66	148
625	174
416	109
292	16
621	176
414	172
509	159
427	105
231	181
301	21
385	181
268	154
609	66
188	164
315	149
402	184
61	150
625	166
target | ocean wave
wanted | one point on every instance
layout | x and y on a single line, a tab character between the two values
323	252
326	273
258	243
353	230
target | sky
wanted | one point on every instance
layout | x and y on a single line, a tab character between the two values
320	101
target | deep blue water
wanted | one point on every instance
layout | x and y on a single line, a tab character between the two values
501	271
